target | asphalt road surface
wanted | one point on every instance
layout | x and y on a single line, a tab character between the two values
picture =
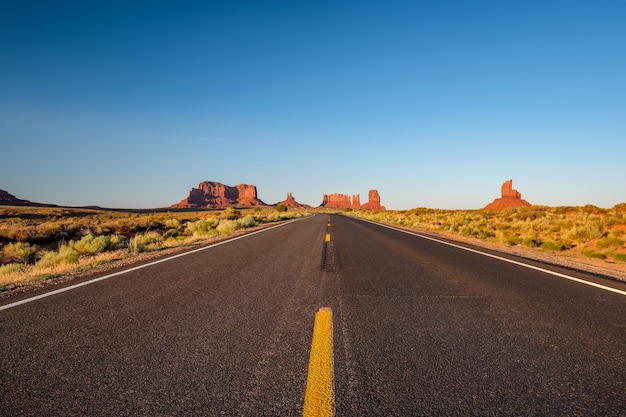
419	328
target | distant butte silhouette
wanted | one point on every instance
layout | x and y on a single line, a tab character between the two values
354	202
291	202
510	198
7	199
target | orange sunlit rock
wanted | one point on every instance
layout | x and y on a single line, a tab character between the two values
510	198
216	194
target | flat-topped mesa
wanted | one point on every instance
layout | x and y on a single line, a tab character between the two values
215	194
510	198
336	201
343	201
291	202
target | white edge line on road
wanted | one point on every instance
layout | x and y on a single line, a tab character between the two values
125	271
536	268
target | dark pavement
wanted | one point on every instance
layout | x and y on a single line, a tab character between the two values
420	328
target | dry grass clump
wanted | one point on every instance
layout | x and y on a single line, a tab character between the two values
588	230
43	243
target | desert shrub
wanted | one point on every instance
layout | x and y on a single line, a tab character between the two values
281	208
171	233
202	227
514	240
172	224
66	255
591	254
91	245
142	242
620	208
584	233
553	246
227	226
117	242
609	242
245	222
531	242
20	251
230	213
591	209
619	256
11	268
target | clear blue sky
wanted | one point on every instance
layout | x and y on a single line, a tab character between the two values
433	103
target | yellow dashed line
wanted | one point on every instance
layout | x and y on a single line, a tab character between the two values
319	399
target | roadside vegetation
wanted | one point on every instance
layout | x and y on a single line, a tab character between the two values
41	244
587	231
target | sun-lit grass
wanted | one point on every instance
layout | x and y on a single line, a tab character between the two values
588	231
42	243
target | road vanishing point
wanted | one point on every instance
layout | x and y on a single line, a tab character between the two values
327	315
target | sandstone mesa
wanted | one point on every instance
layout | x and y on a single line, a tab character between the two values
343	201
217	195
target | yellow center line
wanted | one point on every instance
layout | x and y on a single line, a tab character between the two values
319	399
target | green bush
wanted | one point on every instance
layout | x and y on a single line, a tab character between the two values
172	224
591	254
227	226
619	256
117	242
202	227
609	242
281	208
20	251
531	242
141	243
514	240
230	213
11	268
91	245
553	246
245	222
66	255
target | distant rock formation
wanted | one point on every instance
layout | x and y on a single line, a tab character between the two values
343	201
510	198
7	199
291	202
374	202
336	201
216	195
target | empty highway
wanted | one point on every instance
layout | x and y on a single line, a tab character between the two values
418	328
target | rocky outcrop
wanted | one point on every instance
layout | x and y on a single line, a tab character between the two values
291	202
7	199
336	201
373	201
343	201
216	195
510	198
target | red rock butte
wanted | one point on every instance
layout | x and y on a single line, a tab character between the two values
510	198
291	202
216	195
343	201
